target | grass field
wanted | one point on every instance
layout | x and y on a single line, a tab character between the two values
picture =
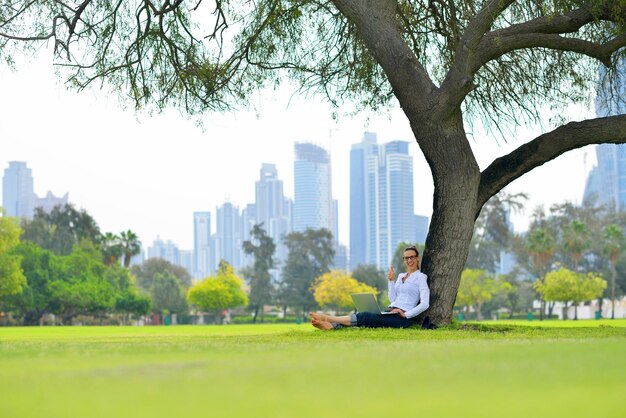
549	369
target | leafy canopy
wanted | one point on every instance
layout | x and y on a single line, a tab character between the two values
210	55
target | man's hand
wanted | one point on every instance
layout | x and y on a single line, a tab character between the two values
391	275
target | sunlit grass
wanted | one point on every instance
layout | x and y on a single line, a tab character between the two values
476	370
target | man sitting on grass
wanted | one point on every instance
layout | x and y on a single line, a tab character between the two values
409	296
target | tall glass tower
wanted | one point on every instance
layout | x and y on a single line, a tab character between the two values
381	200
606	183
313	203
201	244
18	197
271	209
229	235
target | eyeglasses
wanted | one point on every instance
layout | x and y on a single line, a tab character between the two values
410	258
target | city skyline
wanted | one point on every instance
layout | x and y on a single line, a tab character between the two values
150	173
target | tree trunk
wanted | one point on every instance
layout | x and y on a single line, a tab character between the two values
613	274
254	315
457	178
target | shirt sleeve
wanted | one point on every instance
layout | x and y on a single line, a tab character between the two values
424	300
391	286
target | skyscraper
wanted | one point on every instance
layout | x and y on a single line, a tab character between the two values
399	205
229	235
18	197
606	183
271	209
201	244
313	202
361	186
381	200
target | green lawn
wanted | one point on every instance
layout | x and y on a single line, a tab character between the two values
509	369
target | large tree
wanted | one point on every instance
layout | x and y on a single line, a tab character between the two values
311	254
446	63
262	248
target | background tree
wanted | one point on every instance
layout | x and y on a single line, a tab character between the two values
541	246
262	249
333	289
80	286
310	255
130	245
493	231
11	275
111	248
370	275
61	229
588	286
446	63
515	296
146	271
559	285
613	240
567	286
576	240
167	294
40	268
128	301
478	287
225	290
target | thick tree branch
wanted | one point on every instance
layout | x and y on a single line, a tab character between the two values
378	28
546	147
478	46
458	82
601	52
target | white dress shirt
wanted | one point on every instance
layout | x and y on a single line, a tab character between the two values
412	295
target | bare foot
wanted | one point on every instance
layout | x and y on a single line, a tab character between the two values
323	325
319	317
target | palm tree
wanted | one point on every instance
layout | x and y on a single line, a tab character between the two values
613	244
130	245
541	246
111	248
576	240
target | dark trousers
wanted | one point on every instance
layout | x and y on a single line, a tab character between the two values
376	320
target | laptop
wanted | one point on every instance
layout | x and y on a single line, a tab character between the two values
366	302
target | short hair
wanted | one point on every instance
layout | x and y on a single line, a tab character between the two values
412	248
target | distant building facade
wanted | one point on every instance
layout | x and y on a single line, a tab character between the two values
381	200
18	197
201	245
228	237
49	202
313	203
272	209
606	183
166	250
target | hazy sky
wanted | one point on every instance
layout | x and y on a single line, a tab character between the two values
150	173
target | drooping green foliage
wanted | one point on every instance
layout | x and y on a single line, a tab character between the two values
214	55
